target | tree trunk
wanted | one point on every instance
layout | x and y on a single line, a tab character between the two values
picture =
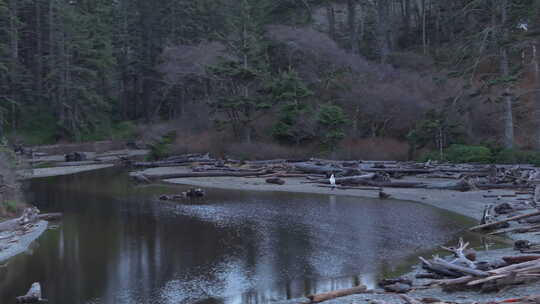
536	62
382	29
14	30
353	28
505	71
331	16
424	29
39	53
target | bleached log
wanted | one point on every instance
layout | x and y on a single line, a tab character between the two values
514	218
462	269
203	174
317	298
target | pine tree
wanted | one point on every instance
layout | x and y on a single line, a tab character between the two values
239	77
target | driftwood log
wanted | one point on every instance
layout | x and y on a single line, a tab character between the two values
317	169
350	187
200	174
317	298
514	218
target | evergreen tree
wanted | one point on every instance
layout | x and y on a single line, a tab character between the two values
240	77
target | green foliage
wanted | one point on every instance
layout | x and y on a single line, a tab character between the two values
294	123
484	154
118	131
331	121
511	156
464	154
438	130
41	129
240	78
162	148
10	206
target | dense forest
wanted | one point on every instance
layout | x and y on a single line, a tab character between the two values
384	76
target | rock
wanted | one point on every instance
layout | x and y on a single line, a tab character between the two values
484	266
503	208
521	244
275	180
195	192
398	287
80	156
501	225
352	172
384	195
470	254
136	145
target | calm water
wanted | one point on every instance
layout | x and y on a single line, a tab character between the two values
116	244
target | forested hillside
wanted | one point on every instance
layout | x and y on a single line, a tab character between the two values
400	75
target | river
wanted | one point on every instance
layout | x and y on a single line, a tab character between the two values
118	244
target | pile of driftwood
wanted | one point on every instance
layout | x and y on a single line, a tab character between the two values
465	272
11	230
84	158
461	177
518	300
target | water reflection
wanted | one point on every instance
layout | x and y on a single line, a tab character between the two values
117	245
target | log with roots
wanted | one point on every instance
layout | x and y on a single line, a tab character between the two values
459	253
317	298
32	296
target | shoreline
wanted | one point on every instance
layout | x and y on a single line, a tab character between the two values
470	204
59	171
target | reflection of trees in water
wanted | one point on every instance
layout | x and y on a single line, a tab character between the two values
241	247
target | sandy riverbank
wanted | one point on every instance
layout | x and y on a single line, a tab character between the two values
57	171
470	204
